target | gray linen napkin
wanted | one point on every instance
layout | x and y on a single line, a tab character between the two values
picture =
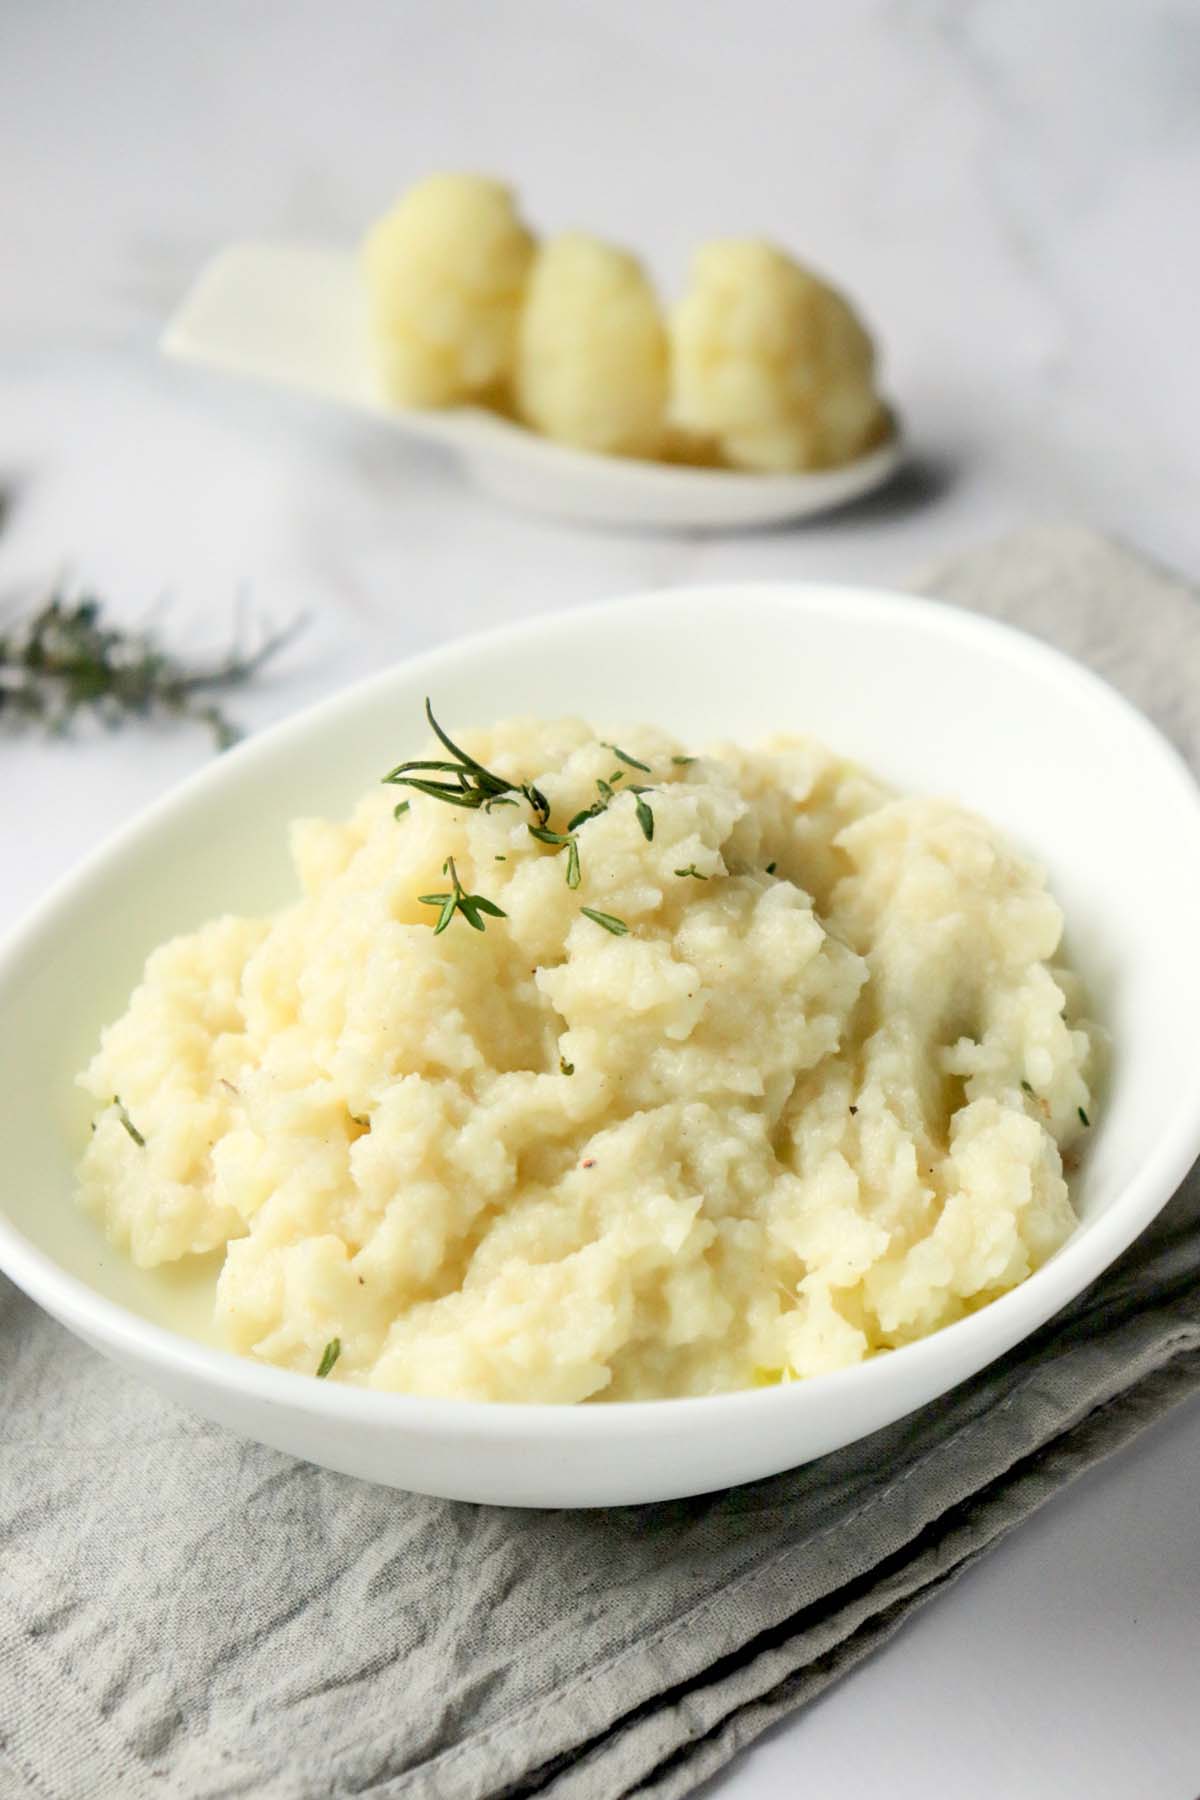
186	1614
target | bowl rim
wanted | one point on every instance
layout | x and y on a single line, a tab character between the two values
965	1346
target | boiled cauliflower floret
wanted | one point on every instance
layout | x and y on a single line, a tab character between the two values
592	350
446	271
771	362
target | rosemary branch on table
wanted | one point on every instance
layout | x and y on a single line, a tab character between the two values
65	660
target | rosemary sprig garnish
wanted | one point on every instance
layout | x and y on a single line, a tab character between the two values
128	1123
471	785
618	927
625	757
329	1356
471	906
65	659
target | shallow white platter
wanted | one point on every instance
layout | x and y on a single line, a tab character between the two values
295	314
932	698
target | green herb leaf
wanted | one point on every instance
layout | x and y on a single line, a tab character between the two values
441	790
560	839
537	800
399	811
128	1123
473	786
462	757
1027	1087
693	871
471	906
564	1067
645	817
1083	1118
681	762
618	927
329	1356
771	868
625	756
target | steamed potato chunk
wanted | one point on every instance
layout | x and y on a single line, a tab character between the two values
446	271
771	362
592	350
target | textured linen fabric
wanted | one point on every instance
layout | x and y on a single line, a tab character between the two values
184	1614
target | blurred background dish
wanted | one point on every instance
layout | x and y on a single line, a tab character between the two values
296	314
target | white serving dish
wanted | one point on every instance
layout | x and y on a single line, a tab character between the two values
934	698
295	314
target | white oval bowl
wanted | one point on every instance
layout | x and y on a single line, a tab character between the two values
928	696
294	314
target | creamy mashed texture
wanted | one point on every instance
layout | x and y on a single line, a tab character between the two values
800	1093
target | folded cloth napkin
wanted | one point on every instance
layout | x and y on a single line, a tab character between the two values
185	1614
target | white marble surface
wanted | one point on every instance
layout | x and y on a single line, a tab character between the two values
1010	189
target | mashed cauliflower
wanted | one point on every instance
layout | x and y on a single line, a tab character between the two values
796	1087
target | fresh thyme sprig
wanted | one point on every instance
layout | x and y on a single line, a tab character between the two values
471	906
618	927
65	659
608	793
625	756
472	785
128	1123
560	838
